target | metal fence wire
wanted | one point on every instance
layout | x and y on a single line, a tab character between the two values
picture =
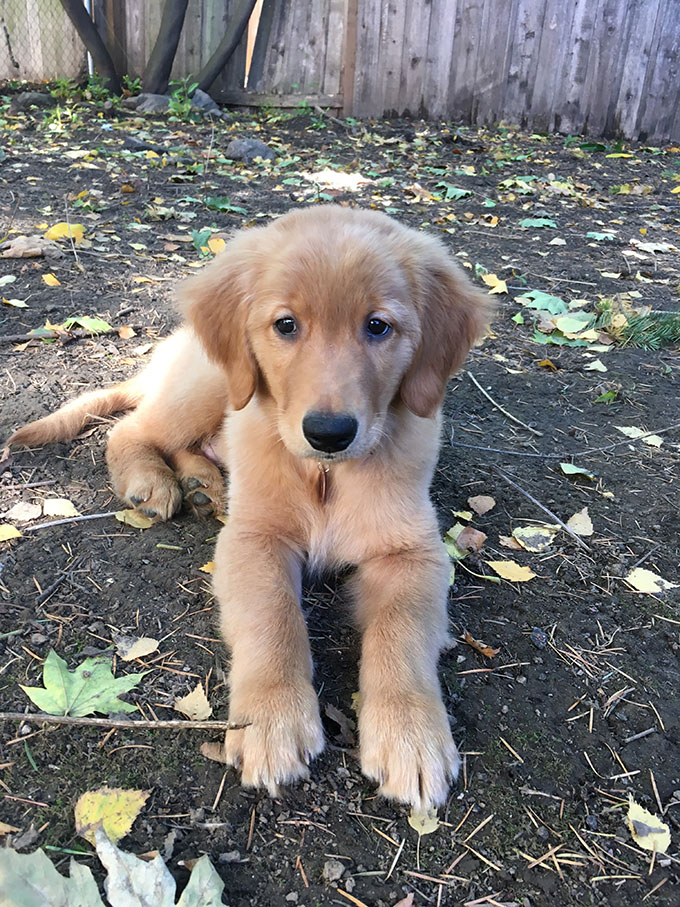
38	42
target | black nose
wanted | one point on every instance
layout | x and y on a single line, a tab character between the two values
329	432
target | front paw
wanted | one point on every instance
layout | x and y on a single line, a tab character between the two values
284	733
407	747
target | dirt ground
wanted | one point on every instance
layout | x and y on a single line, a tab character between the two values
585	662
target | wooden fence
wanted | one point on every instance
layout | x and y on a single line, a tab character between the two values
602	67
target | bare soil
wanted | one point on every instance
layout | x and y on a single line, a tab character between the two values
584	664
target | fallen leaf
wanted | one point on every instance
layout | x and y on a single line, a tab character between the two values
512	571
8	532
195	704
112	809
24	512
580	523
59	507
497	285
51	280
536	537
134	518
507	541
31	879
131	647
647	581
596	366
7	278
15	303
405	902
569	469
632	432
463	514
346	737
424	822
216	244
647	830
208	568
62	230
470	539
479	646
30	247
126	332
150	884
90	688
481	503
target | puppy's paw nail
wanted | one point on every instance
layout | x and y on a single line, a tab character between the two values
148	511
193	482
201	499
135	499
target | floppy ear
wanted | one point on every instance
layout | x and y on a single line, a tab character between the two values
453	315
215	303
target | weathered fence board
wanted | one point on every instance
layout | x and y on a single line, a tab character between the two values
604	67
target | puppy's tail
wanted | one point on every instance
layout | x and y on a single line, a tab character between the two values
68	421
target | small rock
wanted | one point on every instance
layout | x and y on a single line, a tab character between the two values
591	822
203	102
233	856
292	896
332	870
350	884
37	639
31	99
248	149
521	679
151	103
539	638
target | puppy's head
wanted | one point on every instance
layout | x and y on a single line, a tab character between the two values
333	316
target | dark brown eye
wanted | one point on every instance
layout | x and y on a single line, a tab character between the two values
377	329
286	326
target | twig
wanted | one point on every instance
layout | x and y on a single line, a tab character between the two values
539	434
533	500
650	730
52	588
324	113
564	456
30	485
144	724
70	519
67	336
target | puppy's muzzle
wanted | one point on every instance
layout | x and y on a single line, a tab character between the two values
329	432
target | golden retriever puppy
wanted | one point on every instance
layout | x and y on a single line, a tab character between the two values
316	352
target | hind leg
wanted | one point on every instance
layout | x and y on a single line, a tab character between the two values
140	474
200	480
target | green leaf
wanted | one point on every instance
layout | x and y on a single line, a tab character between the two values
538	222
31	880
569	469
600	237
221	203
90	688
87	323
518	318
537	299
204	888
453	192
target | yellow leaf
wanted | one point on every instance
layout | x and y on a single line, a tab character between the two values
8	532
580	523
512	571
497	285
59	507
15	303
208	568
536	537
41	226
131	647
675	191
648	831
113	809
126	332
127	188
62	230
463	514
216	244
134	518
424	822
647	581
51	280
7	829
195	704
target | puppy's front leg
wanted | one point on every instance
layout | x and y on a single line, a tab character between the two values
257	581
404	734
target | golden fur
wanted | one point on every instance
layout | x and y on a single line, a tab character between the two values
228	374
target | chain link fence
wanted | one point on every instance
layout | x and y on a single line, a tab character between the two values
38	42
